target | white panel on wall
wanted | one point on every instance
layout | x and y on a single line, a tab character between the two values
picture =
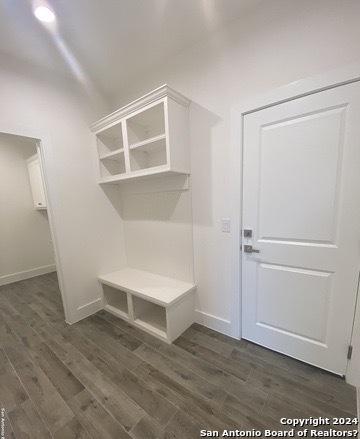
158	232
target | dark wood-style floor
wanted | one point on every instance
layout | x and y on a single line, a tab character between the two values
101	378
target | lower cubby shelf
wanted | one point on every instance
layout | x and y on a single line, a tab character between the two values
116	302
150	316
161	306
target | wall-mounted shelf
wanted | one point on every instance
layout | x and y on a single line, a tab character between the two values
159	305
140	175
148	137
151	143
114	155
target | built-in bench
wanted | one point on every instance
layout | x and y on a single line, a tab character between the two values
161	306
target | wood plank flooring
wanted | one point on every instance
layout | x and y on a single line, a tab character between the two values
104	379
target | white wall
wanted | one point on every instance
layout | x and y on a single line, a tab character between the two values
158	230
279	43
84	219
25	242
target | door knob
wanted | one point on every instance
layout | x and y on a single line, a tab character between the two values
250	249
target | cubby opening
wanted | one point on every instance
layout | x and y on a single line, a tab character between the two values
150	316
149	155
113	164
115	301
147	137
146	125
110	140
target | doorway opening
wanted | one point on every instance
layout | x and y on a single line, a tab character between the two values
26	235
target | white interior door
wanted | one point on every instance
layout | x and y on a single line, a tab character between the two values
301	201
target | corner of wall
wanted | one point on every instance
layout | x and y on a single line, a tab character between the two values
213	322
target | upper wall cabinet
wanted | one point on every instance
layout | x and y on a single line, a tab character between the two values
146	137
36	182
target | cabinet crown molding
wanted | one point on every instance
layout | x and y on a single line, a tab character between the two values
148	98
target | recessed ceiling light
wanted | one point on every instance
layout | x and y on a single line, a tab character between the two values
44	14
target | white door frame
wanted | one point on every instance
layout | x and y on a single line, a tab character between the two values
294	90
43	144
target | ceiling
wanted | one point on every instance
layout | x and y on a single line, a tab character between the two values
111	40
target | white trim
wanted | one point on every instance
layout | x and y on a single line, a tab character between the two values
31	159
173	182
26	274
216	323
303	87
286	93
43	148
154	95
87	310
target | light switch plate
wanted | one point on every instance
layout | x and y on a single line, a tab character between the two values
225	225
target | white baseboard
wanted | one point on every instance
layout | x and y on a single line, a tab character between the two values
87	310
27	274
216	323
